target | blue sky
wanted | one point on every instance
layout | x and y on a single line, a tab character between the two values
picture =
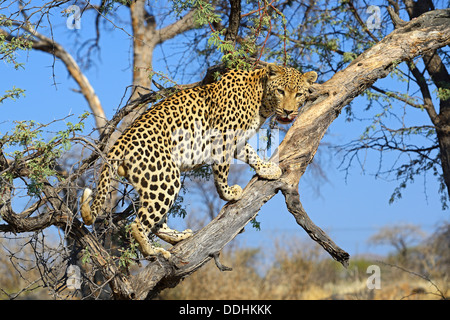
349	210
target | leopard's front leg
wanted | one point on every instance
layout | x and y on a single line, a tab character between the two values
264	169
226	192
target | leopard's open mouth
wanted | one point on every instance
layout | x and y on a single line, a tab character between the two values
284	120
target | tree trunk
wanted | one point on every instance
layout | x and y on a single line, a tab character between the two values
444	147
146	37
441	79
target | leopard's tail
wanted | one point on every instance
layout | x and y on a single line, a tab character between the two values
86	213
90	212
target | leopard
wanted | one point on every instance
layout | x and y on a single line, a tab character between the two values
207	124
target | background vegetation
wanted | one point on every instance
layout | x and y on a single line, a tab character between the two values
299	270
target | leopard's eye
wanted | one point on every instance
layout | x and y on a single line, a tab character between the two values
280	92
298	95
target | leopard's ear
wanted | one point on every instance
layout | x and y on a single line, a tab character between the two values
274	70
310	76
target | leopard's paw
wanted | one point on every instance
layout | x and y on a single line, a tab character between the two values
232	193
269	170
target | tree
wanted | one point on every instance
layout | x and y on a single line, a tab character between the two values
241	41
420	147
401	237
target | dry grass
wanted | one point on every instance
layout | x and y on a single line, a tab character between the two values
305	275
292	271
19	276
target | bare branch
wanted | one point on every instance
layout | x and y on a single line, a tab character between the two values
219	265
182	25
394	15
360	21
45	44
295	207
398	97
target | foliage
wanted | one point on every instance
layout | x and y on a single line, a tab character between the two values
12	94
28	147
260	23
9	47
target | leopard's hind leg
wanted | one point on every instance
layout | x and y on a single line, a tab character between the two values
169	235
139	231
157	192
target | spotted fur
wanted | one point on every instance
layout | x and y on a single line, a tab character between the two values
207	124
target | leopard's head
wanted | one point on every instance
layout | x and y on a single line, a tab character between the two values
286	91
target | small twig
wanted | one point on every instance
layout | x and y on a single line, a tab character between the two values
440	293
398	23
160	87
219	265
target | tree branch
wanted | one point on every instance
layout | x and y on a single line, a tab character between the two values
234	21
45	44
360	21
295	207
398	97
182	25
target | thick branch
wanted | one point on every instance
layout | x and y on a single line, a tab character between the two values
180	26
